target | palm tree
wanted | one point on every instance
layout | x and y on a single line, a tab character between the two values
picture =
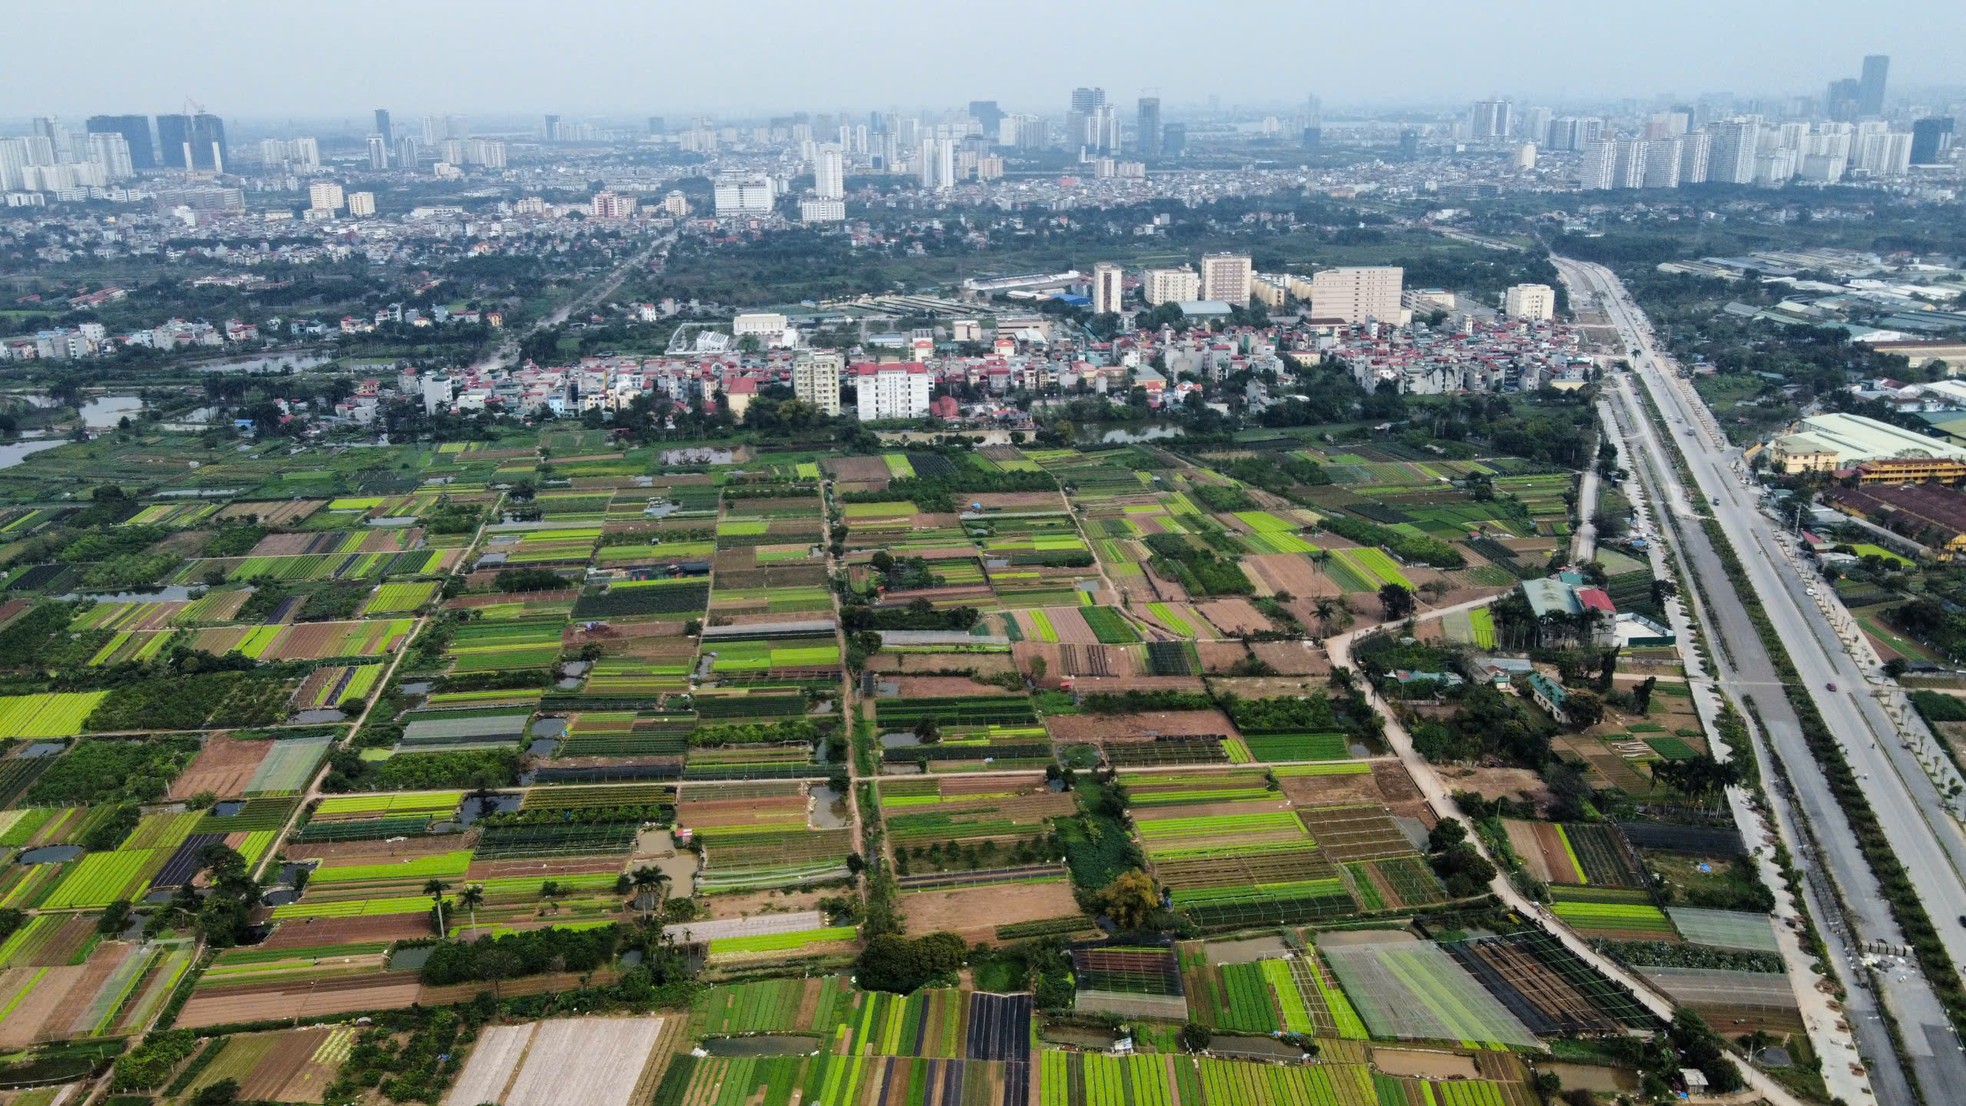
435	889
1326	609
470	899
648	880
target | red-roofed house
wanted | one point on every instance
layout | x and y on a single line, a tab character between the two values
739	391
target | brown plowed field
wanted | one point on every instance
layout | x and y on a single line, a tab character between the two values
1292	658
1291	572
915	687
1541	848
222	767
1137	727
1234	616
387	991
975	912
305	933
35	1012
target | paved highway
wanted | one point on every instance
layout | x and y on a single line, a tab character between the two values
1908	805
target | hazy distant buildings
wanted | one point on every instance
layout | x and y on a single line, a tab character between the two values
135	130
1147	126
822	211
1491	119
384	127
1225	277
378	151
361	203
191	142
1931	140
1572	133
112	151
1870	86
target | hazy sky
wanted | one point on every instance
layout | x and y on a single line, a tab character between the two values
280	58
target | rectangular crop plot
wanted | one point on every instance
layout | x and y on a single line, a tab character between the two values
1725	929
1601	851
1348	833
592	1061
1415	990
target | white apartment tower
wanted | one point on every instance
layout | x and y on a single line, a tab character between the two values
361	203
829	174
1594	173
816	380
896	390
1225	277
1358	293
1735	143
325	196
744	196
1170	286
1108	288
1529	301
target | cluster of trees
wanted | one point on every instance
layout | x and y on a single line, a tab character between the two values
890	962
469	769
1488	724
919	614
530	952
1456	861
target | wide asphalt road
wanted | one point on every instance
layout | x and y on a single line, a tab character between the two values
1907	804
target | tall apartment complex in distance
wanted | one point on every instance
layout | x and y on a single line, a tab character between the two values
191	142
744	196
1147	126
135	130
1108	287
1170	286
829	174
816	380
1225	277
1358	293
896	390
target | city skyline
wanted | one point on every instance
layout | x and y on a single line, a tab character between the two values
713	61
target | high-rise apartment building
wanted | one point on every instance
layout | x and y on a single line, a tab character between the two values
1529	301
408	152
1870	85
737	195
1491	119
1735	143
135	130
552	128
611	205
1695	157
896	390
191	142
816	380
1931	140
385	128
1108	287
987	115
1571	133
1225	277
325	196
1628	165
1662	160
378	151
1358	293
1170	286
1083	123
361	203
1147	126
829	174
112	151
